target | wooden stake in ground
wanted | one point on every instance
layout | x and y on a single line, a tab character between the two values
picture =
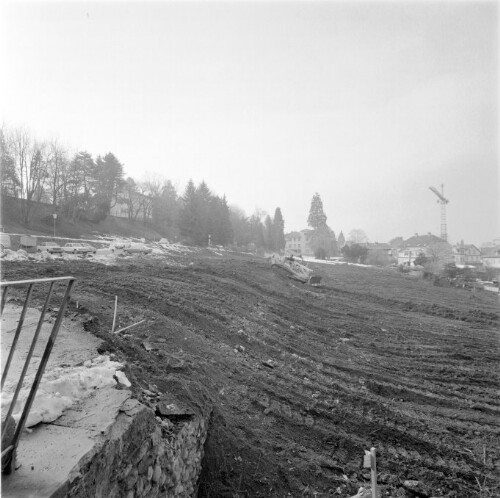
129	326
114	315
373	453
370	462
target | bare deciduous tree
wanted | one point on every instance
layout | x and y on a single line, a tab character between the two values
8	175
30	167
57	166
357	236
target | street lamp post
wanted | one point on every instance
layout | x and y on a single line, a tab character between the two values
55	218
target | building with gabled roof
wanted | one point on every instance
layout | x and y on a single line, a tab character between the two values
428	245
490	256
299	243
466	255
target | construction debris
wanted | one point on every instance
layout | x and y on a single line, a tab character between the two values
296	270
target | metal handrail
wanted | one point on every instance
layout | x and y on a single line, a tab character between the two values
8	454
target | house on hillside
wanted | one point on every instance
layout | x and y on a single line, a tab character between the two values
380	253
466	255
133	206
379	247
490	256
431	246
299	243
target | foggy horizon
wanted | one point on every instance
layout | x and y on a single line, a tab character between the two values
368	104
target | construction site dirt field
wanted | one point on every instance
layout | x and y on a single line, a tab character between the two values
303	379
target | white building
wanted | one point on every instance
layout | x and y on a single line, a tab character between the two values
299	243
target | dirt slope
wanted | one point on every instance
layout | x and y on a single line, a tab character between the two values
303	379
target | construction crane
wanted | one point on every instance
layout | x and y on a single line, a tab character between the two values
443	201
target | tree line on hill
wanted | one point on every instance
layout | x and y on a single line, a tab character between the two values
81	187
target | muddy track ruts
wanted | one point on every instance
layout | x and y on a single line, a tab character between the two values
369	358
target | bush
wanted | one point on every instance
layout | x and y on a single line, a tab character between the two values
450	270
355	253
379	258
320	253
421	260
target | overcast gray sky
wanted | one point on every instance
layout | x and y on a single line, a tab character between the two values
367	103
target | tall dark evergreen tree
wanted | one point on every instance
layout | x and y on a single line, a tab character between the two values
334	244
341	241
269	234
203	198
79	185
165	211
219	226
187	213
256	230
107	182
8	176
323	238
278	230
240	225
317	218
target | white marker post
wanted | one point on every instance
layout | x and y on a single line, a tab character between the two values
114	315
370	462
373	453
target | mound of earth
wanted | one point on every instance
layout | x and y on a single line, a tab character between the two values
301	380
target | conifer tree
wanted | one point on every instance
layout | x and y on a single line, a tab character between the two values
165	210
278	230
317	218
256	230
203	198
335	248
187	214
219	224
269	234
341	241
323	238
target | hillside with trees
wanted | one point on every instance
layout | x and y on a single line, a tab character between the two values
83	189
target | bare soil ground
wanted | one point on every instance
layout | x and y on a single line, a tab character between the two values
303	379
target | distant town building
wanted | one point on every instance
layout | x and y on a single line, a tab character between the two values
136	207
490	256
466	255
431	246
299	243
379	247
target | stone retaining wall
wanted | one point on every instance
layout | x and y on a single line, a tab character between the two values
142	455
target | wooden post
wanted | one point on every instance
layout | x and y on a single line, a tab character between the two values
373	453
114	315
129	327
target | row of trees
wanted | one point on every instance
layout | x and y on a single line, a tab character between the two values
80	187
42	171
259	229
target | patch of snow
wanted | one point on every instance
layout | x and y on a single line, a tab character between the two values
122	378
20	255
323	261
105	258
62	387
333	262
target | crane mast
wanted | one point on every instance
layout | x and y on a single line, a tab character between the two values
443	201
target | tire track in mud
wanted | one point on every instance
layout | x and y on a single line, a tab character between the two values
351	368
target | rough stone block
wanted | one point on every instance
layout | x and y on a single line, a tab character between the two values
156	473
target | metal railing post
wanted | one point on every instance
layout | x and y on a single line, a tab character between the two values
30	354
18	332
8	453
